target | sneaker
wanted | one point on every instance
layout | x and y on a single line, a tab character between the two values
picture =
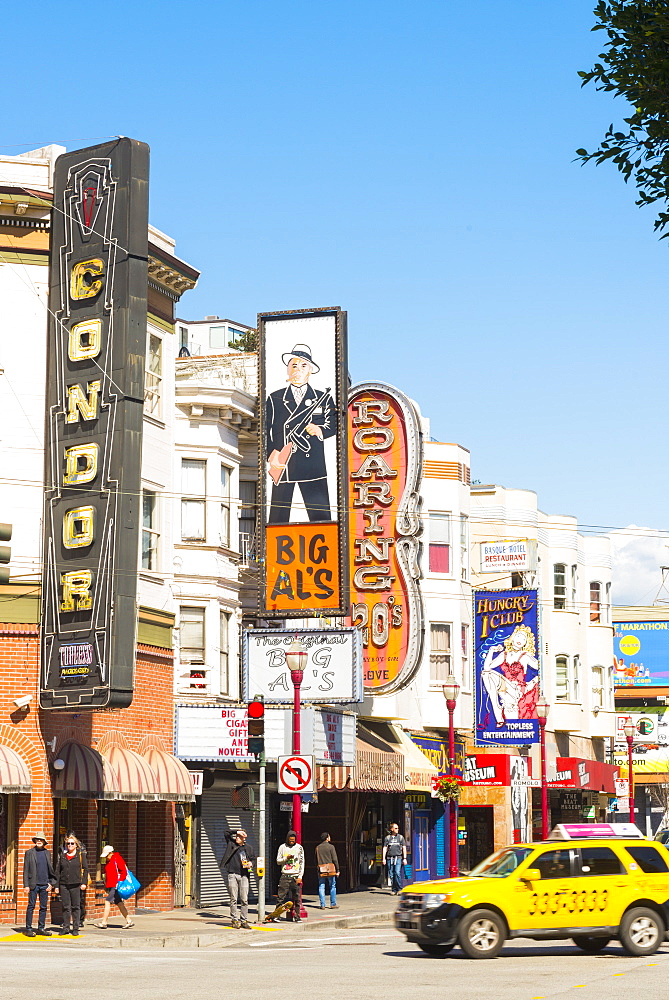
246	925
43	932
75	933
236	924
63	931
29	932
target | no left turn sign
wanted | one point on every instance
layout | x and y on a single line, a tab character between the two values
296	774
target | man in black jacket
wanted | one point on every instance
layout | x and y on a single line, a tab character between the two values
298	420
38	875
237	862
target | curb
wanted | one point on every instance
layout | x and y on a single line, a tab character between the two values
219	939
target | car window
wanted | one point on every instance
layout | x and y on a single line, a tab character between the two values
662	836
553	864
648	859
600	861
502	863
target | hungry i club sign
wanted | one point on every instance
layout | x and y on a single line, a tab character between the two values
385	455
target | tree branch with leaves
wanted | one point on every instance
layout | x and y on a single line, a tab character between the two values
635	66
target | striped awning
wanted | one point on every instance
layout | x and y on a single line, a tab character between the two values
378	772
86	774
135	778
334	778
14	772
174	781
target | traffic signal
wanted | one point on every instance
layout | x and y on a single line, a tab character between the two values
5	552
256	713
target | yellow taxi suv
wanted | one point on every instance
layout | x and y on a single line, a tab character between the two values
591	888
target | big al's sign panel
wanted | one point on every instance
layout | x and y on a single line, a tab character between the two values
385	457
333	672
506	643
303	371
94	407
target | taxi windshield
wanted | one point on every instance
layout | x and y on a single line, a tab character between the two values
502	863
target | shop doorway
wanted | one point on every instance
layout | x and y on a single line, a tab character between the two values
423	852
479	839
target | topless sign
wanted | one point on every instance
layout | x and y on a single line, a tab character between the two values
303	370
506	644
385	465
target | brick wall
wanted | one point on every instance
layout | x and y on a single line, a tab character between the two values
27	731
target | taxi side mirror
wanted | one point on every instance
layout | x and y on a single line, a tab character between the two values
531	875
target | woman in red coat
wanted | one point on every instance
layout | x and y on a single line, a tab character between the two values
116	871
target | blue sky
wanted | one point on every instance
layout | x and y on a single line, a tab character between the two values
412	163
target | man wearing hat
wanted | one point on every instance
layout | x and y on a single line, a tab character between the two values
298	420
38	875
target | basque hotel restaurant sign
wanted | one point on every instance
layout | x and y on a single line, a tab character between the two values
506	644
385	459
94	406
303	373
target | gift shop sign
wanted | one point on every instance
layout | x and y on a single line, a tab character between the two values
385	458
96	343
216	733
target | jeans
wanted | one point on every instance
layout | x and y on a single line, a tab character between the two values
70	896
322	880
43	892
238	887
289	890
395	872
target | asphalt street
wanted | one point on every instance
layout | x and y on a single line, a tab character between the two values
348	964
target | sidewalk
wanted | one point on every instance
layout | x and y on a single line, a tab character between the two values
210	927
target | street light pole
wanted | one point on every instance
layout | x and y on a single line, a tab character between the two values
542	714
451	690
296	659
630	732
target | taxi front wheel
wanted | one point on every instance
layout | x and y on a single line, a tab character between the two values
481	934
641	931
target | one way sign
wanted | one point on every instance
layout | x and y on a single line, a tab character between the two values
296	774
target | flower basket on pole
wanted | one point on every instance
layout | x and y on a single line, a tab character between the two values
446	787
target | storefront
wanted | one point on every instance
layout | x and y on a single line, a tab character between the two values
494	804
580	791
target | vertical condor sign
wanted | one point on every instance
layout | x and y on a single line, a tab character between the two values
94	410
385	460
303	371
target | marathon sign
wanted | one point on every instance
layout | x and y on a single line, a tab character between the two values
96	344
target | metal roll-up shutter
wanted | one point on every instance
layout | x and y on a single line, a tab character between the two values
217	817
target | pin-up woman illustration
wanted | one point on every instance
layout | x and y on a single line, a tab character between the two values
510	675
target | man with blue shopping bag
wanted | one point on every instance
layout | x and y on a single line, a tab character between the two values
116	878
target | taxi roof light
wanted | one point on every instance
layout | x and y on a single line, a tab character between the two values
596	831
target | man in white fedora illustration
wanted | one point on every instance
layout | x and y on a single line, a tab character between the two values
299	419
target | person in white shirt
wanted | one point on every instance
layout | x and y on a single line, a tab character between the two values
290	858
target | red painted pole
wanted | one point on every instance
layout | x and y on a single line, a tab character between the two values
630	777
454	866
544	782
296	677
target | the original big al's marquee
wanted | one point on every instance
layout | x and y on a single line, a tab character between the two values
385	453
94	412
